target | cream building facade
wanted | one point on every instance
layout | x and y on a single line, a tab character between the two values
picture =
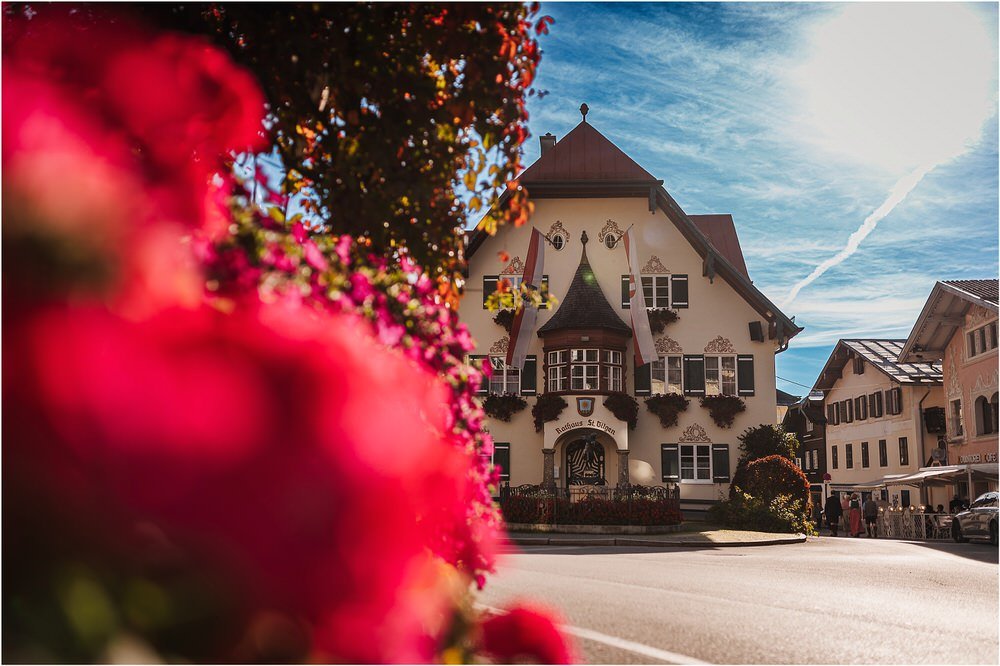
586	194
877	422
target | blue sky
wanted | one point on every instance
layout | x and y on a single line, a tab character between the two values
802	120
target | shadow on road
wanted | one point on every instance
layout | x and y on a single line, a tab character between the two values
626	550
979	551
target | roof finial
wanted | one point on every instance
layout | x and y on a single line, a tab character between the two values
584	109
583	238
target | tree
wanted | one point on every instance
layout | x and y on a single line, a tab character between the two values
767	440
381	113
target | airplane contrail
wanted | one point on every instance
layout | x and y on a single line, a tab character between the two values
899	192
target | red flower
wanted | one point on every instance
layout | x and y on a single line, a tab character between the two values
526	634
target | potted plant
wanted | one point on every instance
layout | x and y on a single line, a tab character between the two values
667	407
504	319
723	408
548	407
659	318
624	407
504	406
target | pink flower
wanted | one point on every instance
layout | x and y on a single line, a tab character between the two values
526	634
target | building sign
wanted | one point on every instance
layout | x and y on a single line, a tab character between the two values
599	419
976	458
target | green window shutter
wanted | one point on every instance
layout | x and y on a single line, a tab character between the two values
626	301
643	379
477	362
501	459
670	462
694	375
678	291
720	463
544	293
529	376
744	374
489	286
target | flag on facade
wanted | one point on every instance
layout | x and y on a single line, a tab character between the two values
642	337
527	315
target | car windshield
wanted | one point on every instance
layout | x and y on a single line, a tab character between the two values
986	499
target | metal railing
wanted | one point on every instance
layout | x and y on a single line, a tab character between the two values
628	504
917	525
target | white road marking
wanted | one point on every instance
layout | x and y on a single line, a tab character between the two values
631	646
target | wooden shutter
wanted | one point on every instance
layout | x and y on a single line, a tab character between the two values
501	459
643	379
831	414
626	301
544	289
694	375
477	362
744	374
489	286
849	406
720	463
678	291
529	376
670	462
871	405
878	403
894	400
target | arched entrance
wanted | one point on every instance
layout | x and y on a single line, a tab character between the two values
585	462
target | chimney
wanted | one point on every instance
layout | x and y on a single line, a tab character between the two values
547	141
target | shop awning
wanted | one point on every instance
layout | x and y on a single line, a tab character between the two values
945	475
871	485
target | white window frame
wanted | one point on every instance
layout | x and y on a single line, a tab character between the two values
664	366
659	288
589	369
507	374
981	339
697	462
613	370
717	386
558	370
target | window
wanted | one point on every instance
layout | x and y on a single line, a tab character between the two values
720	375
957	423
842	411
904	452
859	365
696	462
861	408
612	370
583	370
894	401
558	371
883	455
864	454
994	412
505	379
558	240
656	289
982	340
809	425
667	375
833	456
904	497
814	456
610	241
849	456
849	407
875	404
491	283
832	414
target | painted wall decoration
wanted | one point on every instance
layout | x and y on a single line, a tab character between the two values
515	267
654	266
694	433
667	345
720	345
500	346
610	228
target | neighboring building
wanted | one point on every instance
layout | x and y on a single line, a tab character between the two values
584	189
958	328
806	420
784	401
875	408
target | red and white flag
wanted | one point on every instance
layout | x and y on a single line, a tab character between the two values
524	321
642	337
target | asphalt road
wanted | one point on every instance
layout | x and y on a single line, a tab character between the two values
825	601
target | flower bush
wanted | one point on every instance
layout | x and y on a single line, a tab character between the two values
659	318
667	407
723	408
504	318
771	476
624	407
590	511
202	400
781	514
548	407
503	407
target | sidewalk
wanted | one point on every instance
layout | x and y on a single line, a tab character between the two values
708	537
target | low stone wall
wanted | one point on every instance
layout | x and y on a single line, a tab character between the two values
592	529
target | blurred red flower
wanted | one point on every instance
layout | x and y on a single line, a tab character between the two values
526	634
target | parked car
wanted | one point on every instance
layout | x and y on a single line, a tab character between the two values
979	521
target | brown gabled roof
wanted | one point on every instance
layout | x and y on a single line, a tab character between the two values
721	233
584	154
584	306
883	355
943	314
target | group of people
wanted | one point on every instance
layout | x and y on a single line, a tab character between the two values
848	511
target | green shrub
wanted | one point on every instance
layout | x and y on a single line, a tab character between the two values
767	440
590	511
743	511
770	477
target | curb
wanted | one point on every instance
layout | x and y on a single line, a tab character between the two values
651	543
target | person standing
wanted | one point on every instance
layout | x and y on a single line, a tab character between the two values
871	515
855	517
834	512
845	512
